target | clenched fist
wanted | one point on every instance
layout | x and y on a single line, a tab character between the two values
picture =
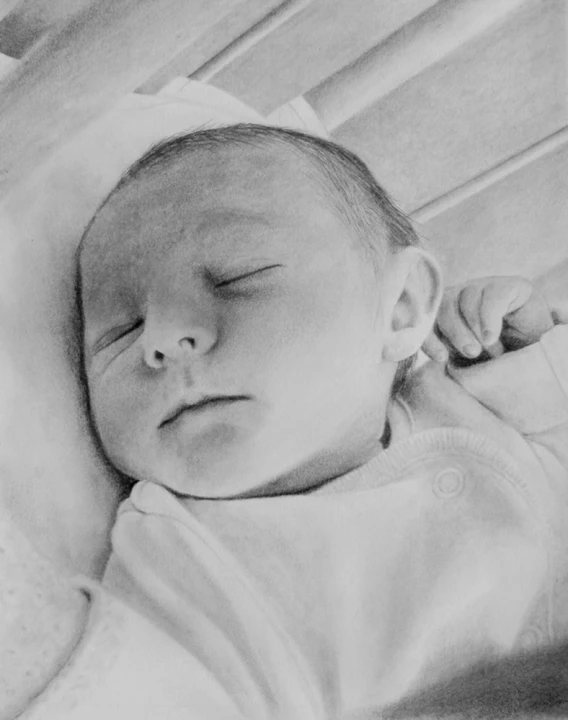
485	317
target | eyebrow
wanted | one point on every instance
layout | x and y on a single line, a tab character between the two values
217	219
214	219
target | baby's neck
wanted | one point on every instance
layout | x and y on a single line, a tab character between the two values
319	472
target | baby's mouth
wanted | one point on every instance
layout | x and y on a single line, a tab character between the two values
205	402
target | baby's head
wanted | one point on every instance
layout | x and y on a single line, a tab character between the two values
249	297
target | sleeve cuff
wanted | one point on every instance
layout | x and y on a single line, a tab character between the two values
527	388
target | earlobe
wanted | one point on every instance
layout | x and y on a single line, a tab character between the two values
417	294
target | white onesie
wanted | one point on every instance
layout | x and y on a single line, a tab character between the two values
446	549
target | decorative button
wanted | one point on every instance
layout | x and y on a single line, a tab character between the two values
449	483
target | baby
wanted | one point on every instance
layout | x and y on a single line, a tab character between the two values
325	532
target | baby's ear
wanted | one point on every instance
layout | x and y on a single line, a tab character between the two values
414	286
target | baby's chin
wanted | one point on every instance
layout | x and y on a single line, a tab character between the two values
205	474
245	476
238	472
225	460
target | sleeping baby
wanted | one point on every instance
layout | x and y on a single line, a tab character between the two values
324	529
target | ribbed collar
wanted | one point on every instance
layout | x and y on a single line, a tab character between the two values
408	448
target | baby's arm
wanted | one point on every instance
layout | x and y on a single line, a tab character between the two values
524	384
484	317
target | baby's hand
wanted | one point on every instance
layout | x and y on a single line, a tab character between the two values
485	317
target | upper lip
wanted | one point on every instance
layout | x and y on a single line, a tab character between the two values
196	402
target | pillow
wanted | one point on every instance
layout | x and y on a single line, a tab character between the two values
55	482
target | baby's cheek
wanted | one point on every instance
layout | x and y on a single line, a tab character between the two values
119	410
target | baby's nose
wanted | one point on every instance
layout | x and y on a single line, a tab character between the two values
163	345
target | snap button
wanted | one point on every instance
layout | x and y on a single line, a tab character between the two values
530	638
449	483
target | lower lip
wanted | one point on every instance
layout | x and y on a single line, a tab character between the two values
204	409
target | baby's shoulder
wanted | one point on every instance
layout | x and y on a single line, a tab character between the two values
526	390
433	398
444	413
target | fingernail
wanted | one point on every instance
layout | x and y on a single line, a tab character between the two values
472	350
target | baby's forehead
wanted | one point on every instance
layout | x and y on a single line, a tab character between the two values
257	180
232	185
218	205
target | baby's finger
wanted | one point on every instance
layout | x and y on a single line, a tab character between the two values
469	301
499	299
435	348
454	328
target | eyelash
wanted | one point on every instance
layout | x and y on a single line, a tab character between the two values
244	276
111	337
131	328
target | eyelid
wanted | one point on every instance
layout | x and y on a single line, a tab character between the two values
115	334
245	275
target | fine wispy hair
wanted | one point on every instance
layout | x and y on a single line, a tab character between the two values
345	179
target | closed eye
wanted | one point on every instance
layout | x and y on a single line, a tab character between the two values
244	276
116	334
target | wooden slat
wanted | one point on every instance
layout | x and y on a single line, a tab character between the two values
29	20
516	225
76	74
492	98
219	43
312	45
494	175
6	7
268	25
419	44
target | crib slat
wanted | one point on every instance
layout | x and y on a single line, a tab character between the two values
6	6
306	46
223	34
26	21
74	75
422	42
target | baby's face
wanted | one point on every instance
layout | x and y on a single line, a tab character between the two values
232	329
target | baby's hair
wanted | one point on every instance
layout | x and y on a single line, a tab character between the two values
345	180
344	177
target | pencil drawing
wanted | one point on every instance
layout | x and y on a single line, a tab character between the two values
283	359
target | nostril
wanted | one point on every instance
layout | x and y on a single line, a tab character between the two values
158	356
187	341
